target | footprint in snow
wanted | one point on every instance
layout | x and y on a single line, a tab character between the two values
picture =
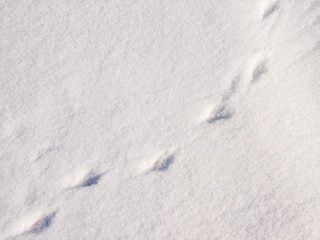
90	179
34	223
46	151
159	164
270	9
221	113
163	163
232	89
81	179
42	223
258	70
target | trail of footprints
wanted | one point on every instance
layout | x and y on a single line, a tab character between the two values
258	69
162	163
37	223
224	110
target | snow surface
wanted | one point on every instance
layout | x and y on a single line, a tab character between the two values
163	119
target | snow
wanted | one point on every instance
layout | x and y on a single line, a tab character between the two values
162	119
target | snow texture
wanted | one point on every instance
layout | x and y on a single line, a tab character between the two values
158	119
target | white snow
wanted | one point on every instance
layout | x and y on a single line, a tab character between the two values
135	119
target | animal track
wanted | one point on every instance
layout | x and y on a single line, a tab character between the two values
271	8
82	178
43	223
222	113
258	71
90	179
160	164
163	163
45	152
34	223
232	89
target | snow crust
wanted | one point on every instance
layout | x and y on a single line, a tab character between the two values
186	119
